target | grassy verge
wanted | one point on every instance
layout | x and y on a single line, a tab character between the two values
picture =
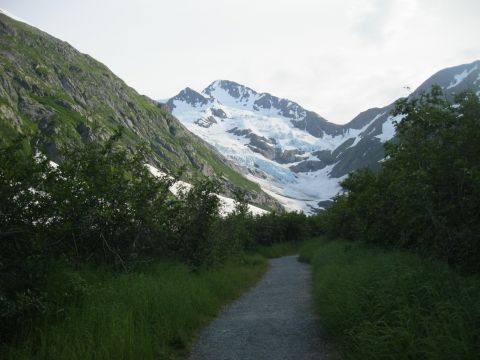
278	249
393	305
152	314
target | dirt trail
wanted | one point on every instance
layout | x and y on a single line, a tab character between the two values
274	320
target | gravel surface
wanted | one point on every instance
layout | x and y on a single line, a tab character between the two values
274	320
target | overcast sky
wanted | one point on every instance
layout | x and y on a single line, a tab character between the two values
336	57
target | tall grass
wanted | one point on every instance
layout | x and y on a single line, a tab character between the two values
278	249
393	305
152	314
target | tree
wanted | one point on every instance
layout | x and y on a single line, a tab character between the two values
196	217
24	215
426	195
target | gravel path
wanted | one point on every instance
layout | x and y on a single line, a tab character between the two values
274	320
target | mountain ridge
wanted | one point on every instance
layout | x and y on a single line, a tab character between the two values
301	144
301	118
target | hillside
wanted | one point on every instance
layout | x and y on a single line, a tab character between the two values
56	95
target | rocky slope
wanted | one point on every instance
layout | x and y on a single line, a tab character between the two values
296	155
56	95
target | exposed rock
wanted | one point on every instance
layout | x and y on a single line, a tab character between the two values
343	147
85	133
266	147
206	122
236	131
189	96
218	113
8	114
359	156
237	91
325	156
33	109
288	156
308	166
261	144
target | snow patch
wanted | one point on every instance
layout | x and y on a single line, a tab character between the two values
306	192
227	205
358	134
460	77
477	79
388	128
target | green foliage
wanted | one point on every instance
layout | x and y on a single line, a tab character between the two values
241	204
151	313
426	196
197	216
393	305
100	206
237	223
103	208
309	248
23	218
108	205
278	249
274	228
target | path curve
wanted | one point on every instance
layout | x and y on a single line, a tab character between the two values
274	320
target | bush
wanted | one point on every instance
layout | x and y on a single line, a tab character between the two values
101	206
23	219
426	196
274	228
108	207
196	218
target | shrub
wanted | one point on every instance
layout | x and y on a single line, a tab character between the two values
426	195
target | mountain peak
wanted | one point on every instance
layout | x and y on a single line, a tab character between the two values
225	85
229	92
187	96
237	96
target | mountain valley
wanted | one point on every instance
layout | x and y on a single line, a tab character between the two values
295	155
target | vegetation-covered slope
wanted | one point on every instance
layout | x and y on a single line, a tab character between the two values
56	95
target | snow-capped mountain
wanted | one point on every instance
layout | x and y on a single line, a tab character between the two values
273	139
296	155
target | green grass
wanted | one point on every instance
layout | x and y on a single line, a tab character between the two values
308	250
278	249
393	305
152	314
